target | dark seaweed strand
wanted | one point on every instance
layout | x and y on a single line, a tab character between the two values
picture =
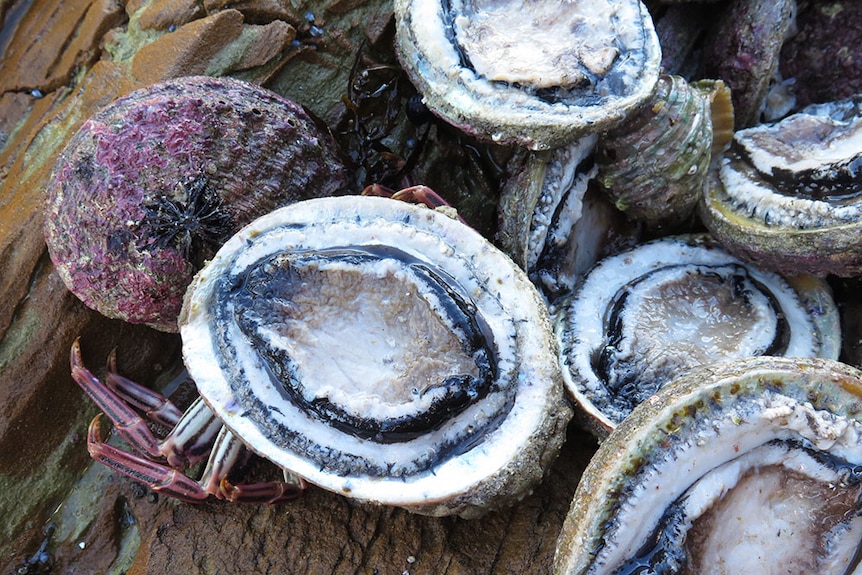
196	225
625	393
664	551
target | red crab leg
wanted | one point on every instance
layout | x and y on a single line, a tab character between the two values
128	423
187	443
414	194
155	406
171	482
269	492
227	452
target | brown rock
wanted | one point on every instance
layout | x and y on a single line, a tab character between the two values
260	11
188	50
262	44
32	59
323	533
215	45
161	15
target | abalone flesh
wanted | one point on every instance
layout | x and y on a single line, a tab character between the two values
751	466
380	350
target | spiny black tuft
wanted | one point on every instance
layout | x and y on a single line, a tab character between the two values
196	226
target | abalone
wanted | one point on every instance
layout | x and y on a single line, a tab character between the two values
151	185
380	350
648	314
655	165
535	73
553	223
750	466
787	193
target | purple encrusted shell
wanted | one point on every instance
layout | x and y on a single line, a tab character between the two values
243	149
823	60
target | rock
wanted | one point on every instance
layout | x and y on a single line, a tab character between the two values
164	15
323	533
743	48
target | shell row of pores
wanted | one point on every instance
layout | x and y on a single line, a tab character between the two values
485	100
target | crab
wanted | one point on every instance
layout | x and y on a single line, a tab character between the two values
195	434
162	464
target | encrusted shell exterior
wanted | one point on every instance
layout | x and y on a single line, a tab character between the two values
743	48
654	166
246	147
822	59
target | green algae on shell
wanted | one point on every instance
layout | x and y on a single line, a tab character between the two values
150	186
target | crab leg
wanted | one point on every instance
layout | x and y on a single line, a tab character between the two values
192	438
159	464
155	406
414	194
269	492
227	452
158	477
127	422
187	443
